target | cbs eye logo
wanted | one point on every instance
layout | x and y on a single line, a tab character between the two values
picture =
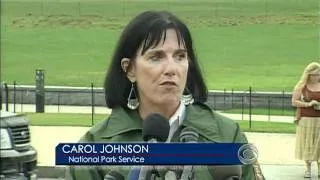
248	154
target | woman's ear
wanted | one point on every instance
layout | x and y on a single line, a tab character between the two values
128	69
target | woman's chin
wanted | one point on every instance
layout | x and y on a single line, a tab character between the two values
169	100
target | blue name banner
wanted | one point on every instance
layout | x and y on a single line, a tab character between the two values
155	154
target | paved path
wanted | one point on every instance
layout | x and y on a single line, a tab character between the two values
287	172
271	118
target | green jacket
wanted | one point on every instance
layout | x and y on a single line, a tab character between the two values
126	126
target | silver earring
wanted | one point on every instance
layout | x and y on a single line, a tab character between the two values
187	98
133	102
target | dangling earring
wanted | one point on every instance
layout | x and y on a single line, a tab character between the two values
133	102
187	99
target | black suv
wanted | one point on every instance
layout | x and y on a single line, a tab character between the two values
18	157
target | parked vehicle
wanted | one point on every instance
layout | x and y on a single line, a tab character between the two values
18	157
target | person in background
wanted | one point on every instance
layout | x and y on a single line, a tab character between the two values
154	69
306	97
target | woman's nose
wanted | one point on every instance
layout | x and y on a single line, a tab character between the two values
170	67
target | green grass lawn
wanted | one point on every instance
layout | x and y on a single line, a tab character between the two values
62	119
267	127
260	43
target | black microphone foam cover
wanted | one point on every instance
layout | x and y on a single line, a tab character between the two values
155	126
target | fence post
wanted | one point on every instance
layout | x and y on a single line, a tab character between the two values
232	98
1	87
7	95
92	105
282	102
21	98
214	102
58	101
242	106
40	91
14	96
224	99
269	105
250	99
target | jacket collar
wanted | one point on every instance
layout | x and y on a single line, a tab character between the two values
199	116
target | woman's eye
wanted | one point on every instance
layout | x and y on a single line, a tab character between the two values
156	57
181	57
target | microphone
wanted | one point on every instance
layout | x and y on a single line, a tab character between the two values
188	135
113	175
134	173
155	129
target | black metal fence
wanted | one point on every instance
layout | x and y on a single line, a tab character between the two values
246	103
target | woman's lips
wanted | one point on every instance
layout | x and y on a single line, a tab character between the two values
168	83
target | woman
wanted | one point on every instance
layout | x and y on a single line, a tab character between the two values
306	97
154	70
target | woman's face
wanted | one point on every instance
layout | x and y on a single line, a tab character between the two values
161	72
